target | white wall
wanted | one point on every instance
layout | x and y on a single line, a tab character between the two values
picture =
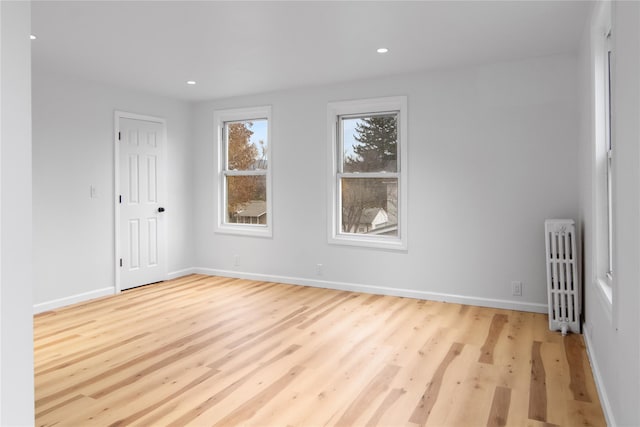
16	326
492	153
612	332
73	125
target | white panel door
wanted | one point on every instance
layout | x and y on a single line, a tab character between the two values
142	237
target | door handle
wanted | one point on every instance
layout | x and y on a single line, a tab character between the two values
160	210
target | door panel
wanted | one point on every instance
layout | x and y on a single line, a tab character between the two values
134	244
152	180
153	241
142	234
134	181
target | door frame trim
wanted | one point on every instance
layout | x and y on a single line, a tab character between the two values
118	115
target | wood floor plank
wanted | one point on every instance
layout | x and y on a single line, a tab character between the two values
500	407
244	412
538	388
218	397
513	351
335	384
430	396
109	409
206	350
163	401
574	351
386	404
471	399
337	375
497	324
473	324
87	355
557	379
419	366
378	385
137	360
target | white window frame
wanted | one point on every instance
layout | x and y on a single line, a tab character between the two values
221	117
604	158
609	154
335	110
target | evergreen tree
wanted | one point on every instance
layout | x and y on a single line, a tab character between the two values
377	149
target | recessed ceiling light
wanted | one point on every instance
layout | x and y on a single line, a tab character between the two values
382	50
32	37
191	82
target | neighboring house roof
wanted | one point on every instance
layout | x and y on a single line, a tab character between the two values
369	214
374	219
255	208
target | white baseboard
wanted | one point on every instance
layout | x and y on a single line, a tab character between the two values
180	273
86	296
61	302
602	391
343	286
408	293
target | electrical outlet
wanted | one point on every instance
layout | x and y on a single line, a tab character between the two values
319	269
516	289
236	260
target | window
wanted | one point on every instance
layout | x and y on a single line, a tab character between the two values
604	158
244	178
609	156
367	141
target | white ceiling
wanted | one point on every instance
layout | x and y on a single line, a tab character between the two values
238	47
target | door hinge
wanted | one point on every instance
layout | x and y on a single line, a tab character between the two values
119	136
120	262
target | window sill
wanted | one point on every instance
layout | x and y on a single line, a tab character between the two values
373	243
605	295
245	230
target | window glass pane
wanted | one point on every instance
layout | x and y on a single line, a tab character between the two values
370	206
246	144
609	217
247	199
608	99
369	143
609	149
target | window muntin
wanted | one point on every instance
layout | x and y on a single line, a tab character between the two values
244	171
368	174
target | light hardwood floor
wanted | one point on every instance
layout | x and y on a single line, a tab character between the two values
209	351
